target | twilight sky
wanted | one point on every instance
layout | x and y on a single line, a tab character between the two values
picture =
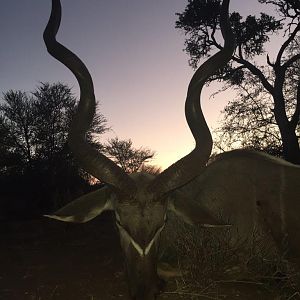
134	54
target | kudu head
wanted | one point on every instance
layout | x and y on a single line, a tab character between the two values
140	201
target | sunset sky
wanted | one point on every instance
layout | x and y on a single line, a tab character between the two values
134	54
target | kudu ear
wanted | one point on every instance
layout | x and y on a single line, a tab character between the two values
86	207
191	212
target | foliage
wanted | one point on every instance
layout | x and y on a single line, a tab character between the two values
200	22
277	80
34	151
129	158
286	8
53	108
36	125
248	120
17	123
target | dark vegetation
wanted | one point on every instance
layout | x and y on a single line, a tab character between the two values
265	114
218	264
38	173
129	158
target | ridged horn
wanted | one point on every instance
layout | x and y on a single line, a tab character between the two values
192	164
91	160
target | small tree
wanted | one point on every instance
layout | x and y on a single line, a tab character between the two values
34	151
36	125
127	157
53	108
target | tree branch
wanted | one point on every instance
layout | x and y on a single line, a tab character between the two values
296	116
240	51
290	61
255	71
285	45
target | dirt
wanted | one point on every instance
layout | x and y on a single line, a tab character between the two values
44	259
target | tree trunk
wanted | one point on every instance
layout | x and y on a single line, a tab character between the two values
290	145
291	149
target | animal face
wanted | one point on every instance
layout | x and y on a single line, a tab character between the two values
140	226
140	219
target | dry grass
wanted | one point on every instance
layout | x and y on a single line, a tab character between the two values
43	260
216	265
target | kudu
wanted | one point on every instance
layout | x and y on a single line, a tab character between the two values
140	201
253	190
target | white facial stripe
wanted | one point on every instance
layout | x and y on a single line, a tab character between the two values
117	216
132	241
137	247
154	238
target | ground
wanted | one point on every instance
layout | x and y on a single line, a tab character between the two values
43	259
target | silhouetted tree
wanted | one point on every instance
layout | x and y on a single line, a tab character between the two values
34	152
53	108
36	125
200	23
17	124
127	157
151	169
249	121
8	159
